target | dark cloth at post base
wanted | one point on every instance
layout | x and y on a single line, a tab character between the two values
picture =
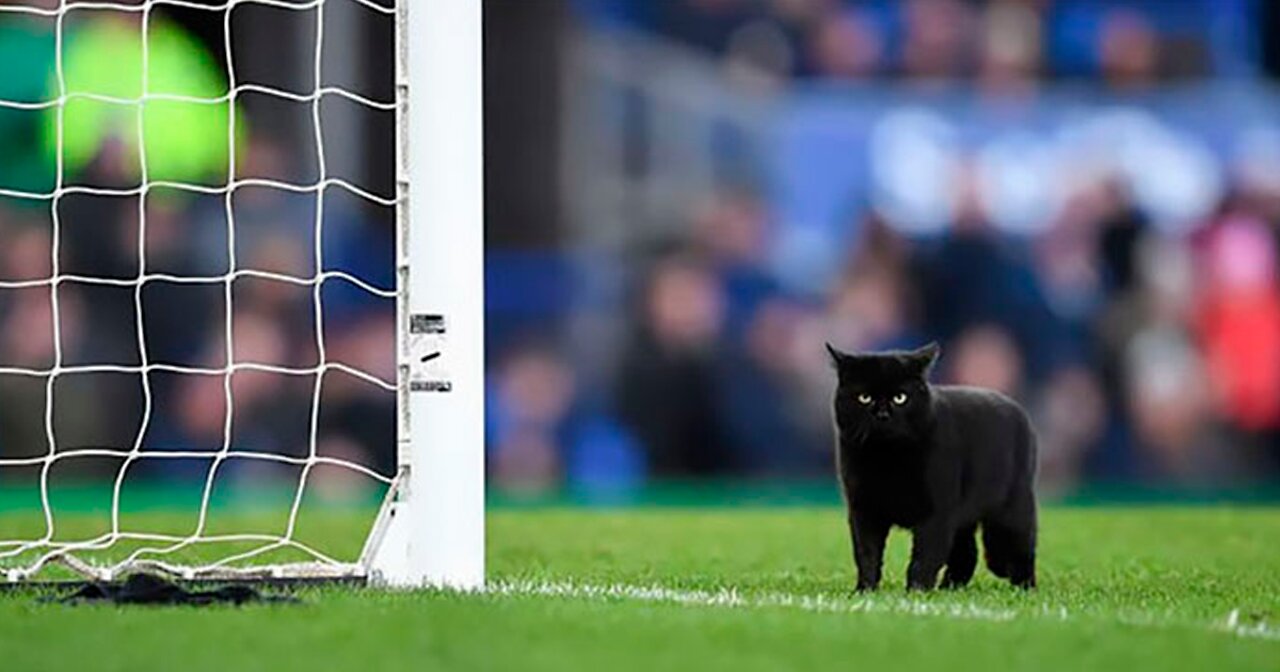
148	589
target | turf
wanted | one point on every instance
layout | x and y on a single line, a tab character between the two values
741	589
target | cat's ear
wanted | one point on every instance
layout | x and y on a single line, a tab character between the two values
838	358
922	359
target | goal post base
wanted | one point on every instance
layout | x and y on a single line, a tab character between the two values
393	561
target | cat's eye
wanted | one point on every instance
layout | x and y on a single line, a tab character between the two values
864	399
900	398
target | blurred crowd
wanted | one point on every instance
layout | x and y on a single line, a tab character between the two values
1145	343
1143	357
1146	352
995	44
202	237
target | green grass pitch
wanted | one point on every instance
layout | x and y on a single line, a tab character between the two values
742	589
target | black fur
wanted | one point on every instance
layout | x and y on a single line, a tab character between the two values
940	461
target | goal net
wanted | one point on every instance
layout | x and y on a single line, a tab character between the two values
227	320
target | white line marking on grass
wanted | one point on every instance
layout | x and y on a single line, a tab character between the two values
1259	630
730	597
879	604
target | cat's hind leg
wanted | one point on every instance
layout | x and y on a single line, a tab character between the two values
996	549
963	558
1009	542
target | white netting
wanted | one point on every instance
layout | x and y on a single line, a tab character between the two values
24	557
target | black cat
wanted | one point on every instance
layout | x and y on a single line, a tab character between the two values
939	460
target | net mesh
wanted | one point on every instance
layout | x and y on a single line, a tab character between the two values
22	558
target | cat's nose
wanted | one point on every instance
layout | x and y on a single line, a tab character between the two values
882	414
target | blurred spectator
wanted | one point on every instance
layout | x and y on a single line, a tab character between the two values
1067	263
1128	49
763	402
937	42
971	275
1009	62
544	433
666	383
874	307
845	45
1168	401
533	395
732	230
1071	418
760	56
869	312
1238	320
103	56
985	356
1121	226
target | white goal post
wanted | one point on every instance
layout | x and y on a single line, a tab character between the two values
436	534
429	530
